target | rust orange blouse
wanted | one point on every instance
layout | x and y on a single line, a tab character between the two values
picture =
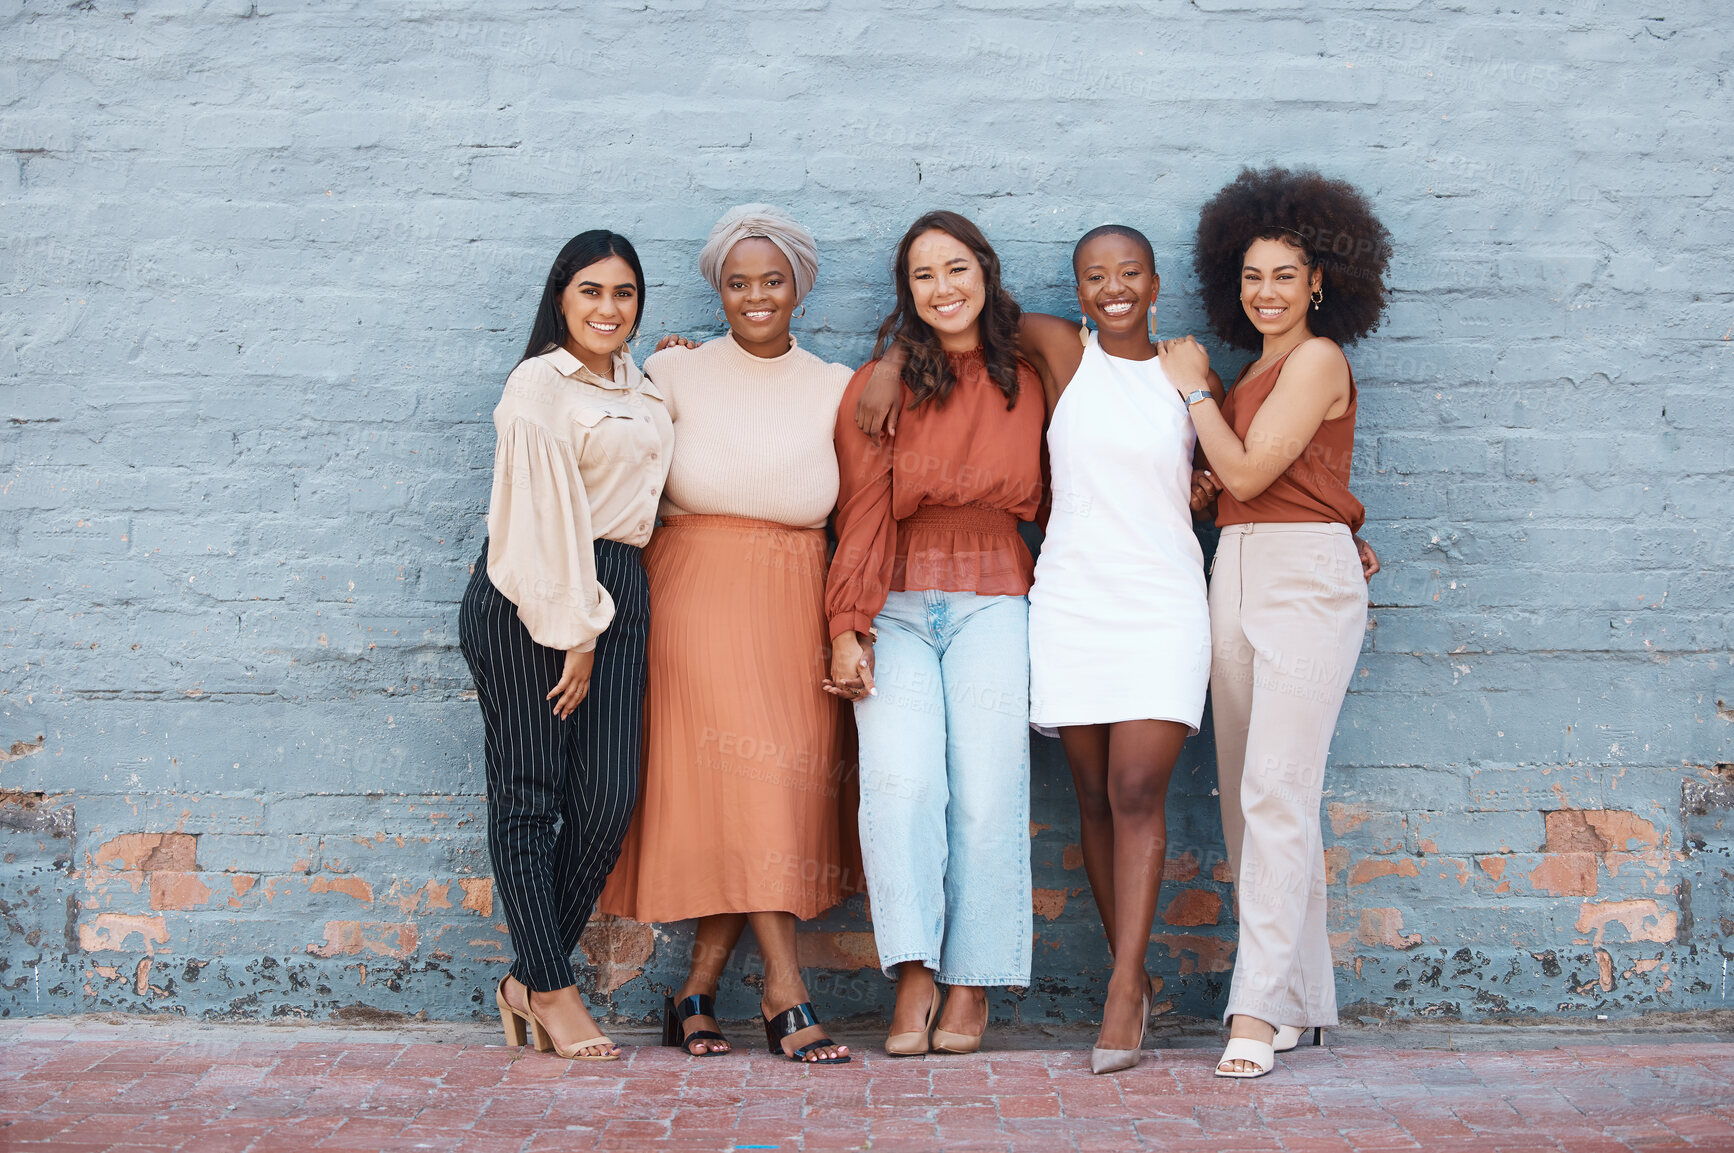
1315	488
936	506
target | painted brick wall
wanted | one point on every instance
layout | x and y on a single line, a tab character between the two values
265	266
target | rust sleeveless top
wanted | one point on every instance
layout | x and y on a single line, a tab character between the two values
1316	486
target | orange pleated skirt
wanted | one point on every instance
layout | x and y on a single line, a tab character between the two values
748	797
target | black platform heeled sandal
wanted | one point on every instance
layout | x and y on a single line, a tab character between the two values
674	1017
793	1021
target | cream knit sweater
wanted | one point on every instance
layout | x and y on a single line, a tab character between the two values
752	436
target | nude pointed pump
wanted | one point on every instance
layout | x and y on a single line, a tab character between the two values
1114	1060
915	1042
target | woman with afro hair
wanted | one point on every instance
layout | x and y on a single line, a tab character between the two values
1291	266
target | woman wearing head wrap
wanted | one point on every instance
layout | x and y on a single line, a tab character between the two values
739	813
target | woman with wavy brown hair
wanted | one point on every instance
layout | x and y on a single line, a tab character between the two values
928	607
1291	266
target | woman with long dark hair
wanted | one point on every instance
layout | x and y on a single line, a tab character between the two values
1291	266
929	628
553	625
743	748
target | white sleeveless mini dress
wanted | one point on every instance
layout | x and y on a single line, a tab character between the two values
1119	620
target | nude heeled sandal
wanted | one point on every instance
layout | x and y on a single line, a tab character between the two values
516	1021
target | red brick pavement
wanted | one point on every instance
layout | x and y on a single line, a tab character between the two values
243	1093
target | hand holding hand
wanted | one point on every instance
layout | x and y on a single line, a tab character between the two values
574	683
1204	490
851	668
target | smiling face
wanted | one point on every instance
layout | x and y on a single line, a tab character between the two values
949	289
599	305
758	296
1115	284
1276	285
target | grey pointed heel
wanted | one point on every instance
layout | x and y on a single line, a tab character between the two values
1114	1060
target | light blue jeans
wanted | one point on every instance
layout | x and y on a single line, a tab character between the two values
945	786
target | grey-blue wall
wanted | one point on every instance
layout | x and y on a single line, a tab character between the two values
266	265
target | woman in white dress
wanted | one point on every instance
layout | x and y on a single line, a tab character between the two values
1119	621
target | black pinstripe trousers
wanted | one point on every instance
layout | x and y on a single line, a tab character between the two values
560	792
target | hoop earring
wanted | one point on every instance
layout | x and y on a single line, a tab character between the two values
1318	298
719	318
1084	330
801	313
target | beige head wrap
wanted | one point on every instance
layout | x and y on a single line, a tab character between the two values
776	226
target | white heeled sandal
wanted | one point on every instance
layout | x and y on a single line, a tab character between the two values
1288	1037
1261	1056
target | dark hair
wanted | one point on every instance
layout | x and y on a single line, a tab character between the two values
927	371
1127	231
549	330
1329	221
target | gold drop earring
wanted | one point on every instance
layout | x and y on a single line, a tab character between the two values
1318	298
1150	322
1084	330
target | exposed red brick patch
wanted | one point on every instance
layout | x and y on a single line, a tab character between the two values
1049	903
1372	868
1222	872
1073	857
242	883
1493	866
1336	860
350	938
348	886
428	897
111	930
478	895
1198	953
1182	868
1385	927
847	951
1605	969
174	852
1347	818
1597	831
1565	875
1037	830
178	890
1644	920
618	948
1194	907
142	977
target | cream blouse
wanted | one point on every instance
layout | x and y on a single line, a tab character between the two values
578	459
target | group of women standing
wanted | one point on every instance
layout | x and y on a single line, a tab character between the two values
660	628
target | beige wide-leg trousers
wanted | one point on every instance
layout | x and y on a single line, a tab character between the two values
1288	610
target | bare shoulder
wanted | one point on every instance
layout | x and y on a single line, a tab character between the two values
1319	355
1043	332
